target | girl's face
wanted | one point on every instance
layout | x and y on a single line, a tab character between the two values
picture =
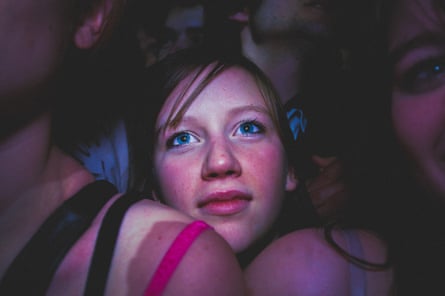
417	49
224	162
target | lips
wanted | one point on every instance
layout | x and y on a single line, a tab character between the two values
225	203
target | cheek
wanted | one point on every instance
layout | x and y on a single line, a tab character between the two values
411	126
36	45
420	127
417	123
268	156
268	167
175	182
271	184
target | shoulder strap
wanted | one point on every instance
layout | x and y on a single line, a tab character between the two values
358	275
32	270
106	243
173	256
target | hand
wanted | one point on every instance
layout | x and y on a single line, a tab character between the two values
328	190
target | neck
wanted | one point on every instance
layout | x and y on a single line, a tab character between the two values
247	256
24	156
35	178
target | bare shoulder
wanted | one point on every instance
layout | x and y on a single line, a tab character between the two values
147	232
209	268
305	262
293	264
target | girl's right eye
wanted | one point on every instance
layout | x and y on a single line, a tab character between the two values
181	139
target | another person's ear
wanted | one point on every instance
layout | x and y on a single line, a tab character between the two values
94	24
291	180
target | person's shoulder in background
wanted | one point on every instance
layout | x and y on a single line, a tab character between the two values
305	263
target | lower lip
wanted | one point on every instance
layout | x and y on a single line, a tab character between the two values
225	207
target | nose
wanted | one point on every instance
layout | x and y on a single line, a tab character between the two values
220	161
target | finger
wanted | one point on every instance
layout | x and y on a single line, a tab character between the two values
332	174
332	194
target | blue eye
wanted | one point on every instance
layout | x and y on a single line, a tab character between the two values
181	139
424	76
250	127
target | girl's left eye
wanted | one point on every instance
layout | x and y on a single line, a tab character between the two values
250	127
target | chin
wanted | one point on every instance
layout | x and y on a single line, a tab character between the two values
237	240
239	247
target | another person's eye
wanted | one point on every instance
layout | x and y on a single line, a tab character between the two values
181	139
250	127
425	75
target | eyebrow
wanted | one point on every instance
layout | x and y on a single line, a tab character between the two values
421	40
254	108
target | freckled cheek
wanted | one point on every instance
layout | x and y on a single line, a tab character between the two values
175	182
268	164
269	178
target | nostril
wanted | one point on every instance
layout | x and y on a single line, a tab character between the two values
217	174
213	175
230	173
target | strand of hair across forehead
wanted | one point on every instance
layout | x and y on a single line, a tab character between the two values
177	111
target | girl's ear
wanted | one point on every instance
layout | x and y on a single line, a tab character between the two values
92	28
291	180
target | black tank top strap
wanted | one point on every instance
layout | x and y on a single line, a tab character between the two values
32	270
106	243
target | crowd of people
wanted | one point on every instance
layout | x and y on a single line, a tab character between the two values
264	147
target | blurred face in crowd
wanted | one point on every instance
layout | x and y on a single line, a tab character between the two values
417	49
185	27
291	18
33	35
224	162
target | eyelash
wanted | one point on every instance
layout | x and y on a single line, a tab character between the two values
425	75
260	127
171	141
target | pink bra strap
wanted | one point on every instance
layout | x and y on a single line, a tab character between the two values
173	256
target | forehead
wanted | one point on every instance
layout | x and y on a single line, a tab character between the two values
411	18
231	88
